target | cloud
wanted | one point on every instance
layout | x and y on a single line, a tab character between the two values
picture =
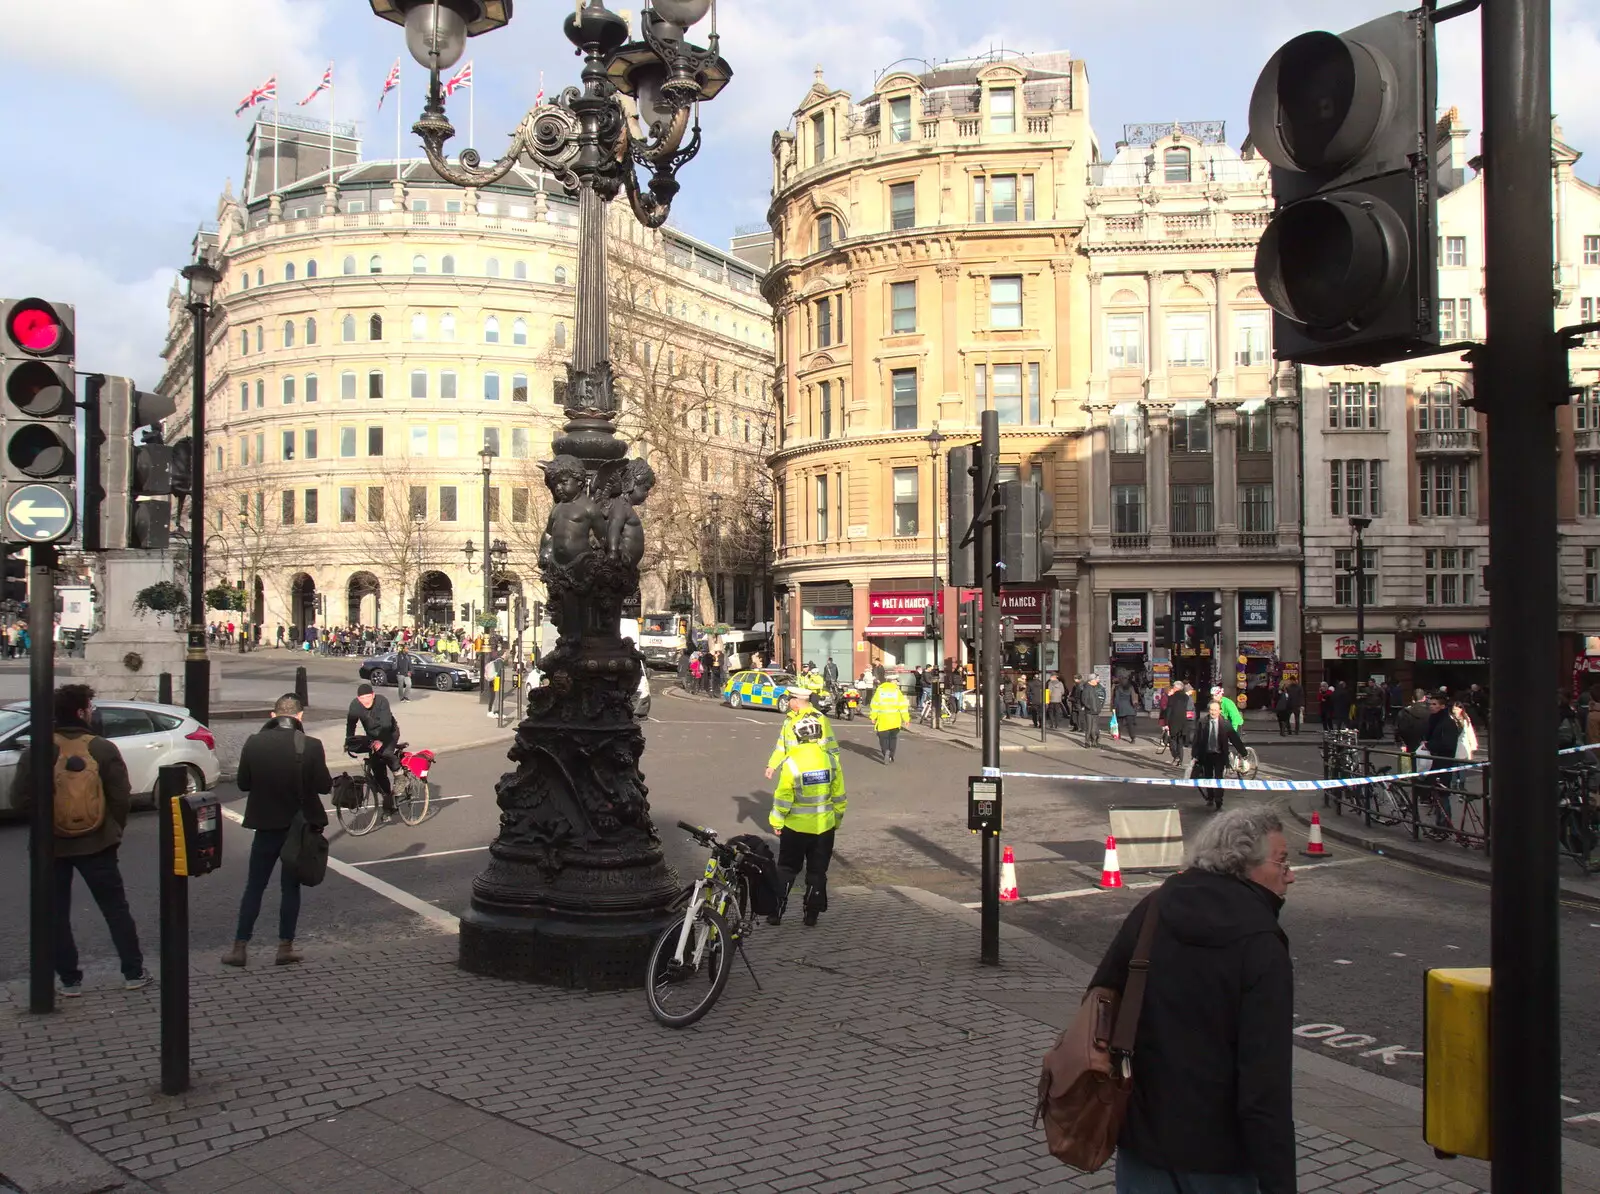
174	54
121	323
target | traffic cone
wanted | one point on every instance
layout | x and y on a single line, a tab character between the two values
1111	871
1008	878
1314	847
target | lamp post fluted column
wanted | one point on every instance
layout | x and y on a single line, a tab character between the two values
202	278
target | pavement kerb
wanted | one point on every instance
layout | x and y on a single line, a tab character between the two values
39	1156
1412	855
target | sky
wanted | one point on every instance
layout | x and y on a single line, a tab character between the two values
120	128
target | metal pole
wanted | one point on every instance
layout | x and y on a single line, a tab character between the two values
41	768
488	590
1520	376
174	940
933	595
1361	615
989	546
196	663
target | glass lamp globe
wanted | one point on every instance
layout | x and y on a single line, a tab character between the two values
681	13
436	35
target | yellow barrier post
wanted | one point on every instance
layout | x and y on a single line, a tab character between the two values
1455	1061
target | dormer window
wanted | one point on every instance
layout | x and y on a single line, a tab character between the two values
1003	110
900	119
819	138
1175	165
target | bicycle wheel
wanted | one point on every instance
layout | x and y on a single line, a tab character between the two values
680	994
363	818
412	800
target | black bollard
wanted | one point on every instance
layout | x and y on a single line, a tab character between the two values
164	688
174	940
300	686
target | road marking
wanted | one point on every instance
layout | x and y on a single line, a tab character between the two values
1589	1117
1336	1036
753	720
447	921
412	857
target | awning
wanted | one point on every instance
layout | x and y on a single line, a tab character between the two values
1453	647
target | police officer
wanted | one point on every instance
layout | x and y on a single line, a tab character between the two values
799	707
808	805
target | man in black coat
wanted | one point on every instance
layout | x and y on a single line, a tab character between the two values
371	711
1177	716
1214	736
282	771
1441	737
1213	1060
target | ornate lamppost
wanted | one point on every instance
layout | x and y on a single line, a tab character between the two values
576	887
202	278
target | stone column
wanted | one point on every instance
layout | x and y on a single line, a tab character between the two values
1156	355
1098	382
950	380
1155	476
1225	474
1226	383
1227	665
1100	472
859	388
1061	268
1285	471
1289	641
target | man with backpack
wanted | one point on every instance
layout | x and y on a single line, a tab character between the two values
92	799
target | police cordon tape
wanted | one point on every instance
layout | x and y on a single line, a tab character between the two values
1259	785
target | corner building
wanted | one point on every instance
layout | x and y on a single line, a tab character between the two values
376	328
926	268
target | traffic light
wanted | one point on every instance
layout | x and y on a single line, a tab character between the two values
969	621
1163	632
521	613
466	611
930	623
963	556
128	485
411	607
1204	627
1027	553
15	586
1347	262
39	418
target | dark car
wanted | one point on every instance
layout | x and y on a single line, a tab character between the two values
427	671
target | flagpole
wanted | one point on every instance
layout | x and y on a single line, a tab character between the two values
472	114
333	111
399	106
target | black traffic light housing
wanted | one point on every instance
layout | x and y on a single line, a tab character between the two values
969	621
466	611
411	607
963	549
1027	551
14	588
38	413
930	623
128	485
1347	261
1163	632
1204	624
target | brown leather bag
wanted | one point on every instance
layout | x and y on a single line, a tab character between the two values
1088	1077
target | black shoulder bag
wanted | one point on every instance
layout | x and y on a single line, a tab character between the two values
305	850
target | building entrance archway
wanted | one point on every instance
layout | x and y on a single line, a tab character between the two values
361	599
302	603
435	600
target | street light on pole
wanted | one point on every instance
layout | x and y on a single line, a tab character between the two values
202	278
1358	569
935	440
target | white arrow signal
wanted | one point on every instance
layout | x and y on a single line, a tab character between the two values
25	512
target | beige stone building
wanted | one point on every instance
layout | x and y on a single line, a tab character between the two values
925	268
377	329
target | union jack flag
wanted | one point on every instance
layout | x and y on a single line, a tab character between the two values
260	95
325	85
390	83
462	78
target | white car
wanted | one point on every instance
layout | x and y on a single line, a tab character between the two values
149	736
641	695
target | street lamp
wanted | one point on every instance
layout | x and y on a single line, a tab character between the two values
935	442
576	888
715	527
1358	570
202	278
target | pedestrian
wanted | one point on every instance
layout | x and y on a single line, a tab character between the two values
1440	739
694	671
1033	693
1283	706
799	701
830	672
1214	737
889	711
402	671
1230	709
282	771
1093	701
717	676
1180	714
808	806
684	658
92	798
1125	704
1213	1086
1055	693
1297	701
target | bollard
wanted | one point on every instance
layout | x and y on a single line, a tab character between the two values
174	940
300	689
164	688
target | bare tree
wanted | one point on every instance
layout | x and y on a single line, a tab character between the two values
249	541
400	537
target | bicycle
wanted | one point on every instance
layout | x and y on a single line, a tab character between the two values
946	715
692	957
1579	825
358	803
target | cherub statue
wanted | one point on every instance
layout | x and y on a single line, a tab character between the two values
575	521
624	531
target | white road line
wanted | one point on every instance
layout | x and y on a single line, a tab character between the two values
446	921
413	857
753	720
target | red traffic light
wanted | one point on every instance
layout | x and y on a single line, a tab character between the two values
35	327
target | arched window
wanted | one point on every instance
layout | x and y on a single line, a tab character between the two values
349	265
311	269
447	326
491	267
561	275
519	332
244	342
260	338
561	335
419	264
288	271
288	333
491	330
261	278
375	327
347	329
244	280
419	326
311	330
519	271
374	264
1175	164
827	232
447	265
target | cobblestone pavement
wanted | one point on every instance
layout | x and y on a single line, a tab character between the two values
878	1055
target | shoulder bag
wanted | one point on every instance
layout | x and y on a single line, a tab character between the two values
305	850
1087	1078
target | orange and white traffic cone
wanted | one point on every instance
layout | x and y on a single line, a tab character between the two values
1314	847
1111	871
1008	878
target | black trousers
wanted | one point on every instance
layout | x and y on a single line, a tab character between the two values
1211	767
103	877
1180	739
813	852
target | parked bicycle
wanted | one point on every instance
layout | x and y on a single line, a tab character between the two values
692	958
947	713
1579	825
358	800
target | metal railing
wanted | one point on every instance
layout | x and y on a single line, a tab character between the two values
1451	807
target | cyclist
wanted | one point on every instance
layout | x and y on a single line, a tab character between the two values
808	805
371	710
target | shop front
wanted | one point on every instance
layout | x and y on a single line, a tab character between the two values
1033	644
1192	659
897	613
1257	652
1449	659
827	626
1341	658
1130	635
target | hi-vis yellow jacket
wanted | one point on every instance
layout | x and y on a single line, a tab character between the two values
810	794
813	681
889	708
787	741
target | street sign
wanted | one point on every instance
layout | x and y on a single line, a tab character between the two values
38	514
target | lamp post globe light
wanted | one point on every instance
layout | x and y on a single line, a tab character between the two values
576	888
201	278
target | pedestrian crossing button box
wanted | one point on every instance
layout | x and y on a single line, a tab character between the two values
1455	1061
196	834
983	804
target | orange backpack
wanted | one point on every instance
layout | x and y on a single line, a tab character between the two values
80	804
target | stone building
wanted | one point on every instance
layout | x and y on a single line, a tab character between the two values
377	329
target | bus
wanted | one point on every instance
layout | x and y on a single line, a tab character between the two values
662	638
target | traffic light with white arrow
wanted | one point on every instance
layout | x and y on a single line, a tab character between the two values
38	419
